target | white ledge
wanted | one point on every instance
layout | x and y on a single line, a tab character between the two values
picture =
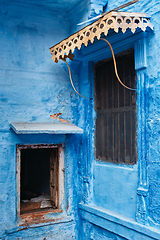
49	128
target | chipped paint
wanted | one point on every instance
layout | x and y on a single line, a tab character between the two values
39	217
56	116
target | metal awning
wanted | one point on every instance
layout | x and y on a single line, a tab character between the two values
113	20
49	128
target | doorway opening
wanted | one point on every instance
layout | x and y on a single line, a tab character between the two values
39	177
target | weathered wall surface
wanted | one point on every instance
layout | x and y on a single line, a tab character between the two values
110	190
31	89
113	206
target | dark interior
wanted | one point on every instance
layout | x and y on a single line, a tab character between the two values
35	173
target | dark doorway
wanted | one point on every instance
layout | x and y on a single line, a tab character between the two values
38	179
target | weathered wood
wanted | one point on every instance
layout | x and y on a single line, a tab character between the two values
29	206
54	173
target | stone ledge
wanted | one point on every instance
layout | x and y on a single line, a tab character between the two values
116	223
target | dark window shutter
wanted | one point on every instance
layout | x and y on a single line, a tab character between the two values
116	111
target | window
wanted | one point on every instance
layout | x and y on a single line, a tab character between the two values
40	170
116	110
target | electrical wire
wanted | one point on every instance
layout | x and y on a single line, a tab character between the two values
115	66
72	81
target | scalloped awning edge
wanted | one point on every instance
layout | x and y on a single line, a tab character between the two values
113	20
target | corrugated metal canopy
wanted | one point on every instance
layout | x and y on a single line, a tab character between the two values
113	20
49	128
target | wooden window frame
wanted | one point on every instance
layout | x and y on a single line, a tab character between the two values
58	187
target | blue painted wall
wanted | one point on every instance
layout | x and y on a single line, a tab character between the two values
31	89
120	195
103	201
117	190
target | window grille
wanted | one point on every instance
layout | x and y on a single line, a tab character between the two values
116	111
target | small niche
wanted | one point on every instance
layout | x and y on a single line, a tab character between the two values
39	171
